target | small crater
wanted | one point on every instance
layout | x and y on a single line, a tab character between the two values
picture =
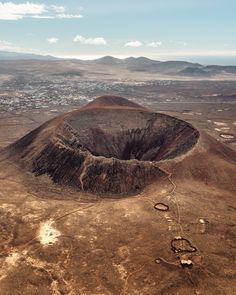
182	245
161	207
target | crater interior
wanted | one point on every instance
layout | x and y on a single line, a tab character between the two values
127	134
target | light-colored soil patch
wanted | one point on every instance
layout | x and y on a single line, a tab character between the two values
9	264
227	136
220	123
12	259
47	234
225	128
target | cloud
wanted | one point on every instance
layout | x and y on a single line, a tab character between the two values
52	40
8	46
90	41
12	11
43	16
63	15
138	43
58	9
16	11
133	44
154	44
4	43
58	16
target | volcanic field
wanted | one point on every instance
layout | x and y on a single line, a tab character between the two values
116	199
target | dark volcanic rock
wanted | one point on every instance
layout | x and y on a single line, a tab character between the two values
111	146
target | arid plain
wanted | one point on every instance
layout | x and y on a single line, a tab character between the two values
174	236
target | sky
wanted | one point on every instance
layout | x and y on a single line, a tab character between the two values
194	30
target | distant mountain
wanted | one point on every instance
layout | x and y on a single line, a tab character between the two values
107	60
219	69
195	72
142	61
130	61
207	71
133	64
144	64
169	67
6	55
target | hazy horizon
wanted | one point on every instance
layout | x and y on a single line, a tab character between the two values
196	31
204	60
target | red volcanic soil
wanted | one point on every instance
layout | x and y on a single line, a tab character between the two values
111	146
177	236
113	101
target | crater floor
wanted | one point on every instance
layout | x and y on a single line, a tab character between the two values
132	134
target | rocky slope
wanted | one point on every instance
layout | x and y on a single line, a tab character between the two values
110	146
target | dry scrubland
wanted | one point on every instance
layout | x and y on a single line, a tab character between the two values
174	235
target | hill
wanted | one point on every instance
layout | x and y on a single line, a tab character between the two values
6	55
131	65
112	146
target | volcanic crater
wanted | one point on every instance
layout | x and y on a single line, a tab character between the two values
110	146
